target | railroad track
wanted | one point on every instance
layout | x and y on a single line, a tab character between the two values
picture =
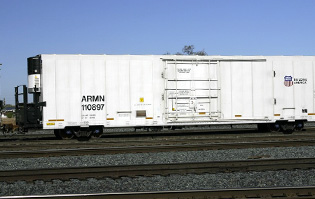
147	149
119	141
131	132
278	192
178	133
156	169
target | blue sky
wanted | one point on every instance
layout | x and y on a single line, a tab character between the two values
220	27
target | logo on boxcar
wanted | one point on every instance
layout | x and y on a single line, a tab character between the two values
300	80
288	81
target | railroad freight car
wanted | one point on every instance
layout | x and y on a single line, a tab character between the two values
83	94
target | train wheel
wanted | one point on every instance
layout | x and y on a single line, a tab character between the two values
97	132
299	126
275	127
66	134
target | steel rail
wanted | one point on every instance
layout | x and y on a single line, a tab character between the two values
274	192
182	133
29	144
148	149
157	139
156	169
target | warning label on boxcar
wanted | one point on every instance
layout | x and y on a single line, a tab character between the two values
184	70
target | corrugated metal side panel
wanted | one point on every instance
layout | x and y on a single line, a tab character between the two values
226	90
262	90
117	91
92	99
141	89
283	95
158	88
294	95
133	91
241	92
48	89
68	90
246	90
304	90
127	83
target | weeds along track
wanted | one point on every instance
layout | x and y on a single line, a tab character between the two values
156	169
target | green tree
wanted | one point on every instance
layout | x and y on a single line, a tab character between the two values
189	50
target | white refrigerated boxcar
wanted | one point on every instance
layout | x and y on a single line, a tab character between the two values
154	91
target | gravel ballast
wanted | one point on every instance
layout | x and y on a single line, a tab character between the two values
161	183
158	158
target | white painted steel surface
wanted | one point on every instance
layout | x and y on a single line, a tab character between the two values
162	90
34	81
